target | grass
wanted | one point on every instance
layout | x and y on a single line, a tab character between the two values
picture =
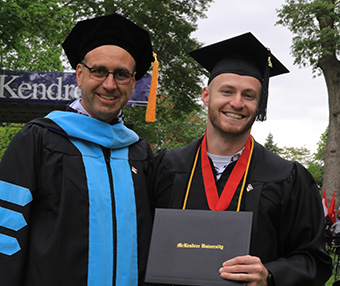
331	279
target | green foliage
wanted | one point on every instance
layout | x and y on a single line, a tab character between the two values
300	154
320	154
313	162
316	165
270	145
304	157
7	131
31	33
170	24
172	129
316	169
315	24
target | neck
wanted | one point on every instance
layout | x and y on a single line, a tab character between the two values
225	145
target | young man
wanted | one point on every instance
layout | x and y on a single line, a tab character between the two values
74	207
227	170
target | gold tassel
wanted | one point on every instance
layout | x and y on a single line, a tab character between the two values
270	62
150	115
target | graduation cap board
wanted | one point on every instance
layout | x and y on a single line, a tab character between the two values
242	55
111	29
189	246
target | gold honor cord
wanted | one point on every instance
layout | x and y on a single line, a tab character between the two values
190	180
245	175
243	183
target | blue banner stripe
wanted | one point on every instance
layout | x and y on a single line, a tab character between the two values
127	260
11	219
100	264
14	194
8	245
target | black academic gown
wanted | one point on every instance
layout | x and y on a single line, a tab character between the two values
288	227
66	218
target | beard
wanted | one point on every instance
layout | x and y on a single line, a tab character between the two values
227	129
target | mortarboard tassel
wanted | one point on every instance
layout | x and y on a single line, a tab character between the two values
262	108
150	115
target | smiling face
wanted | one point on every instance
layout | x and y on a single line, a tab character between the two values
232	104
104	99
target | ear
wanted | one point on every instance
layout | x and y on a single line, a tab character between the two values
79	74
205	95
133	80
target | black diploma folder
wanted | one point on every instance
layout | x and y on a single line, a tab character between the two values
189	246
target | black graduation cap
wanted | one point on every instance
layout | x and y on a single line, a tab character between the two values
110	30
243	55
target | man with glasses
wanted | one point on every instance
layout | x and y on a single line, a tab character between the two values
74	206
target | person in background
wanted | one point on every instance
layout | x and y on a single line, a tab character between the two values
74	205
335	229
328	233
227	170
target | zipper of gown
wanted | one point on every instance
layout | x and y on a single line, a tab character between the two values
107	154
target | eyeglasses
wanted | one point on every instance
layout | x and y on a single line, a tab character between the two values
100	74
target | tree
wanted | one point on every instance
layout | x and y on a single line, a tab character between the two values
315	25
168	131
170	24
299	154
316	165
7	131
31	33
270	145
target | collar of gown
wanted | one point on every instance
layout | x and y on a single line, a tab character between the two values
86	128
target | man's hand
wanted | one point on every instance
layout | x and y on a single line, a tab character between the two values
245	268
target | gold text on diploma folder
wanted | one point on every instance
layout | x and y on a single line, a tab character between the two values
202	245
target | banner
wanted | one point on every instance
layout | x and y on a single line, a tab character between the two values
54	88
324	203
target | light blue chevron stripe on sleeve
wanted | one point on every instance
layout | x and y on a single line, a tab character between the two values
11	219
14	194
8	245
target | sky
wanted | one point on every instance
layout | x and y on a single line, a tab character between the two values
297	112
